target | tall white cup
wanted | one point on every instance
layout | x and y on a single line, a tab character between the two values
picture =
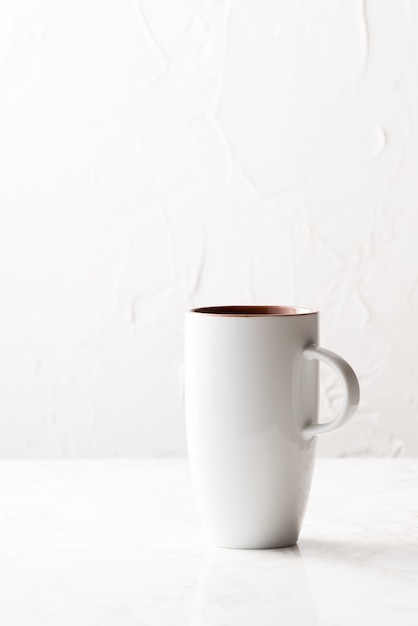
251	419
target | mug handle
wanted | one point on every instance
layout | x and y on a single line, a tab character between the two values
351	391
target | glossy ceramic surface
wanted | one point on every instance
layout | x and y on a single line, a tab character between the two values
251	413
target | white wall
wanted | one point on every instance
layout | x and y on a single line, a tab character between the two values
163	154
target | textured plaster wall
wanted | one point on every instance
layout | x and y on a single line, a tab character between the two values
163	154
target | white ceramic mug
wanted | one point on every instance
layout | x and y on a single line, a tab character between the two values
251	419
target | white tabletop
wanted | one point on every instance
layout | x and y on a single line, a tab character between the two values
118	542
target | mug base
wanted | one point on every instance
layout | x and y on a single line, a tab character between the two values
274	545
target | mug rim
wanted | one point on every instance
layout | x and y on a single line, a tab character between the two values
253	310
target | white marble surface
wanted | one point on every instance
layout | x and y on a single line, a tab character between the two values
118	542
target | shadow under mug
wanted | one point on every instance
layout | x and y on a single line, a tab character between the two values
251	393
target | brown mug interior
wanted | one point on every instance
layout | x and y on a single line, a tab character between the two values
253	310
